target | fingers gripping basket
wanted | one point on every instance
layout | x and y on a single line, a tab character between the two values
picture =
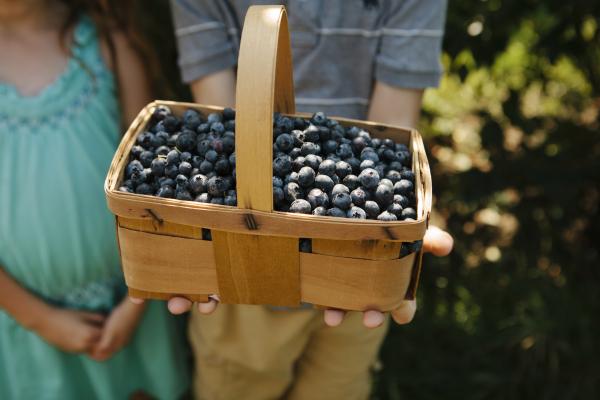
254	256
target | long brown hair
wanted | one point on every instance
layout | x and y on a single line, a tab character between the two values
111	16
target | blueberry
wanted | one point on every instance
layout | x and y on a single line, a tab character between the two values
185	168
144	188
158	166
285	142
136	151
395	209
311	134
217	186
203	198
126	189
277	181
342	200
386	216
228	143
393	175
217	200
300	123
191	119
384	195
197	184
217	145
218	128
376	142
222	167
144	139
322	211
305	245
317	198
324	133
369	178
282	165
232	159
337	133
324	182
230	200
351	181
329	146
387	182
353	132
403	157
205	167
127	183
306	177
170	123
355	164
173	157
319	118
356	212
138	177
380	168
359	197
164	181
312	161
339	188
185	156
372	209
213	118
295	153
203	128
292	192
300	206
278	195
342	169
403	187
298	163
211	156
133	166
369	154
344	151
291	177
394	166
408	175
203	146
409	213
309	148
165	191
366	164
182	181
336	212
285	124
228	113
358	144
160	112
327	167
299	137
172	142
401	200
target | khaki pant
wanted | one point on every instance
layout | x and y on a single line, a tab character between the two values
253	352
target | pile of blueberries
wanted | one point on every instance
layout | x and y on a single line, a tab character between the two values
319	166
187	158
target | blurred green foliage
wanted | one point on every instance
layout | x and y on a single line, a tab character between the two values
513	134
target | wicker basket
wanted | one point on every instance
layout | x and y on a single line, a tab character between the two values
253	257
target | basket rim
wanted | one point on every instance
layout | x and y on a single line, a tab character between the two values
390	230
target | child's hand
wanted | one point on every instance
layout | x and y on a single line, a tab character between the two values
71	331
117	331
436	242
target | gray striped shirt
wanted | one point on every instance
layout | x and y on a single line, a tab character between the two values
340	47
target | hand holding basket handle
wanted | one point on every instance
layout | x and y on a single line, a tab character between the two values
265	70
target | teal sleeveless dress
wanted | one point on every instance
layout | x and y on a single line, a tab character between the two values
57	238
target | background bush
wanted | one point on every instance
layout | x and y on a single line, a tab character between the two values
512	131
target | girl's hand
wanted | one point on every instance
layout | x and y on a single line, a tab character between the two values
70	331
118	329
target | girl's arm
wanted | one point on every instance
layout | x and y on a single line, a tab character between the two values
71	331
134	85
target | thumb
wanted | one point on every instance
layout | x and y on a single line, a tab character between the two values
437	242
405	313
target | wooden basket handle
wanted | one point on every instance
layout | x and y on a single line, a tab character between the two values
264	84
